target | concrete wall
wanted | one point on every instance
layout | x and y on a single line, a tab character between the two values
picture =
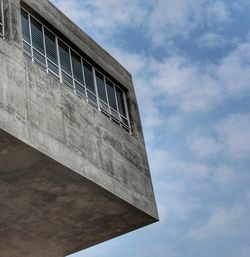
44	114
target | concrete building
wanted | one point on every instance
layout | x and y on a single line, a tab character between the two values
73	165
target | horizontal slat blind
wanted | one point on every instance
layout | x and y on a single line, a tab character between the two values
64	57
101	87
37	35
111	94
89	78
50	41
120	101
77	67
25	26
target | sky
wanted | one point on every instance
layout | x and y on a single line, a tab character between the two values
190	61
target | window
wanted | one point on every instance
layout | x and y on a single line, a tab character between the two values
101	87
78	74
89	80
63	63
112	100
51	54
121	106
1	19
26	32
37	40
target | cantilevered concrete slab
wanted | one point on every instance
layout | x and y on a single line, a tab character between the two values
48	210
69	177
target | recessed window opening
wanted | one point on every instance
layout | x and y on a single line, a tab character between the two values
59	60
1	19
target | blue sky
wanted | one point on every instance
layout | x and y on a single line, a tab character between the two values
190	60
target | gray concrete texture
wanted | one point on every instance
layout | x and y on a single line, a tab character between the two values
69	177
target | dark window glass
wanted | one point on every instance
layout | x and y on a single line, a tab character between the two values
25	26
101	87
53	67
89	79
27	48
111	94
77	66
37	35
64	57
80	90
92	98
50	41
67	80
1	17
120	101
39	57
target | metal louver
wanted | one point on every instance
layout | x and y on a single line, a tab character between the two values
64	57
50	41
37	35
111	94
101	87
89	78
25	26
77	67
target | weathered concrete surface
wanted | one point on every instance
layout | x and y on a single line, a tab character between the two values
48	210
65	139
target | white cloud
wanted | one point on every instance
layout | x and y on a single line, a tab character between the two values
223	222
234	133
180	208
160	248
234	70
213	40
185	85
225	176
171	18
73	9
188	86
175	122
160	20
163	161
102	18
204	146
217	13
231	137
180	18
196	88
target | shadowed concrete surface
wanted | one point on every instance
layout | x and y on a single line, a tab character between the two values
48	210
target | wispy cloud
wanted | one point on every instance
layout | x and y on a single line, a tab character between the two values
223	222
235	134
187	85
160	20
230	139
205	146
212	40
103	18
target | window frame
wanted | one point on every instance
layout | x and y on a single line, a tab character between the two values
85	92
